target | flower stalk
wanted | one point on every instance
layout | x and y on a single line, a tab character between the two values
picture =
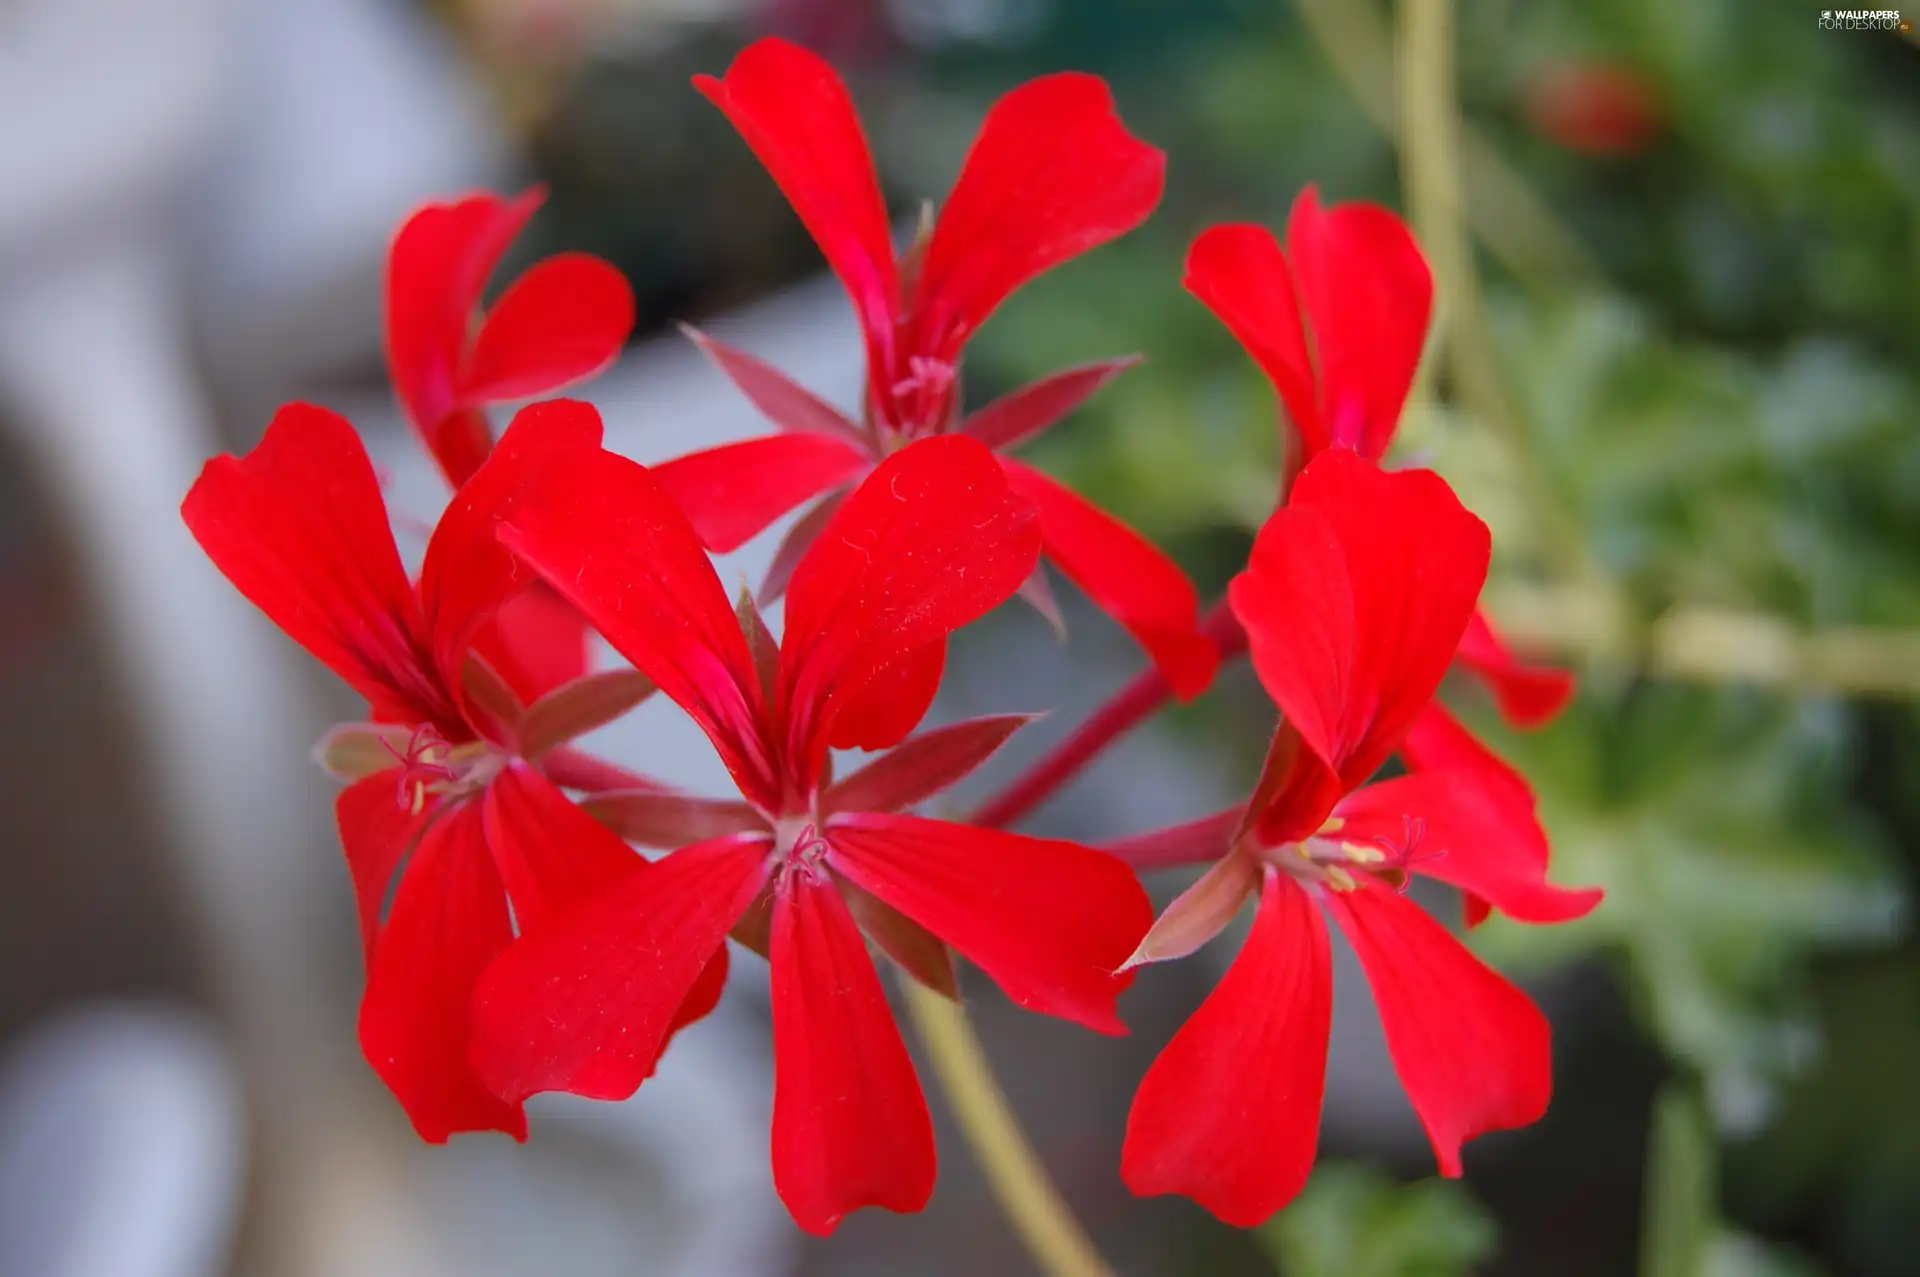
1020	1183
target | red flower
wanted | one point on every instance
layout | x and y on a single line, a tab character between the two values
803	865
1354	603
453	769
564	320
1596	108
1053	174
1337	320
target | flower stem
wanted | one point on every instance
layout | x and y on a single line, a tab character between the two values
1124	711
1033	1205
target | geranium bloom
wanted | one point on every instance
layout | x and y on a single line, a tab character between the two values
1337	320
562	321
1053	174
801	866
459	764
1354	602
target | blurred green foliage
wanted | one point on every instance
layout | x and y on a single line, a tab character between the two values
1353	1221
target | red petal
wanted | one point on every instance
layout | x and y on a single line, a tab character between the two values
1053	174
794	112
376	833
299	527
1126	576
611	540
571	768
882	710
669	820
1471	829
449	920
467	574
1440	742
1354	601
1369	298
731	493
1296	791
1239	273
550	854
535	642
932	540
1529	695
1015	418
1198	842
586	1004
563	321
438	266
1473	1051
1229	1115
850	1124
1050	921
923	766
782	400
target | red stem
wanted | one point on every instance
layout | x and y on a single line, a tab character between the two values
1126	710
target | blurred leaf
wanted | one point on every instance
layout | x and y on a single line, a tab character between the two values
1353	1221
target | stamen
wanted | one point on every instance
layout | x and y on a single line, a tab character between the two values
425	763
1397	861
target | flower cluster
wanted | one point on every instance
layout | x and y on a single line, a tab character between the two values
517	941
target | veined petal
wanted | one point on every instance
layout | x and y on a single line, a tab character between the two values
794	112
436	270
449	921
1050	921
669	820
467	574
1032	410
922	766
1126	576
780	399
561	322
550	854
913	948
1201	912
586	1003
298	525
610	540
1528	695
1239	273
1472	829
376	833
1295	794
884	707
932	540
1229	1115
731	493
1474	1053
850	1124
1369	297
1354	601
1052	174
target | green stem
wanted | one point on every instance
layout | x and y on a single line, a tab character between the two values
1032	1204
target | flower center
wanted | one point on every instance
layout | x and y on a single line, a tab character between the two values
1331	861
799	847
429	765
